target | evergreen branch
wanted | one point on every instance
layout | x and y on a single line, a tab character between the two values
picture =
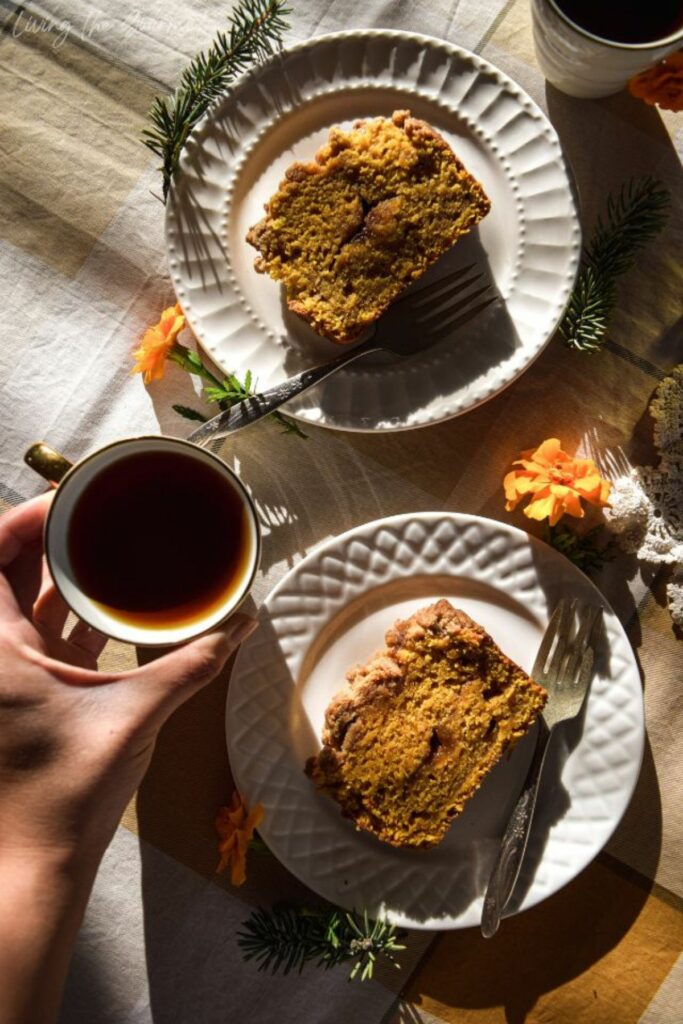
590	307
255	31
633	218
287	938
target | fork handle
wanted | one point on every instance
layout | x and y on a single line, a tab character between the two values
254	408
513	845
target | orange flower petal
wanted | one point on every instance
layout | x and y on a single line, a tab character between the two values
227	844
235	826
238	872
557	481
223	863
254	819
662	84
157	342
531	466
549	452
605	490
519	484
569	500
542	507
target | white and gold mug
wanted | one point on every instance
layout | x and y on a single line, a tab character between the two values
582	64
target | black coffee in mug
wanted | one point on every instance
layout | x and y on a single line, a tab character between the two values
159	538
626	21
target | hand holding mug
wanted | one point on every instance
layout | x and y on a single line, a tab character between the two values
74	745
75	742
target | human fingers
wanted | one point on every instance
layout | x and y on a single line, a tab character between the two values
21	526
83	645
20	557
74	665
50	609
166	683
23	577
87	639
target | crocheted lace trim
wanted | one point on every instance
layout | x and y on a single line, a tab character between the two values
647	502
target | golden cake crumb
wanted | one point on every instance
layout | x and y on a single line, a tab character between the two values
412	735
348	232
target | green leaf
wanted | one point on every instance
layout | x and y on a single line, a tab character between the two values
227	392
194	361
215	394
288	425
257	844
585	551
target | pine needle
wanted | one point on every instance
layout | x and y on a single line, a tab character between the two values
633	218
255	31
287	938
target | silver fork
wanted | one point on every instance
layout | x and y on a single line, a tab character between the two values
563	666
413	324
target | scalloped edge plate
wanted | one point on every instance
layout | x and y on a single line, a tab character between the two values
330	612
528	246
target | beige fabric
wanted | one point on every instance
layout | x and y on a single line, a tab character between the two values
81	254
666	1005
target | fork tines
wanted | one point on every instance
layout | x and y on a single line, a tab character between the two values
562	651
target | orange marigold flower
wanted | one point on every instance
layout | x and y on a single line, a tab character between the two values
235	826
661	85
556	481
157	343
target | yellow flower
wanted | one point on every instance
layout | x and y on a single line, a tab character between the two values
235	826
661	85
556	481
157	343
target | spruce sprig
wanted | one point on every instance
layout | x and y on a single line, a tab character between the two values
287	938
633	218
255	31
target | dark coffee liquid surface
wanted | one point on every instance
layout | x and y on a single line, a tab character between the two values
626	22
159	538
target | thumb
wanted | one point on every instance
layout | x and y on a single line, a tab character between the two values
170	680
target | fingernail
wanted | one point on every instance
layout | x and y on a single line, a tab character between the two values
242	630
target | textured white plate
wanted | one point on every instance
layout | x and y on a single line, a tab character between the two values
330	612
528	245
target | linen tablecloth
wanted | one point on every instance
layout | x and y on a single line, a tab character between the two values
83	270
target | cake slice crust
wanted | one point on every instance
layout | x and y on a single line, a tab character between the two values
417	728
349	231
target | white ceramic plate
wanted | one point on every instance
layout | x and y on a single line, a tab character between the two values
528	246
330	612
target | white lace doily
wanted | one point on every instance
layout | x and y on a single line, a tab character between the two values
647	502
666	409
674	598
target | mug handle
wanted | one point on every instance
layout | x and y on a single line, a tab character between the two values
47	462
